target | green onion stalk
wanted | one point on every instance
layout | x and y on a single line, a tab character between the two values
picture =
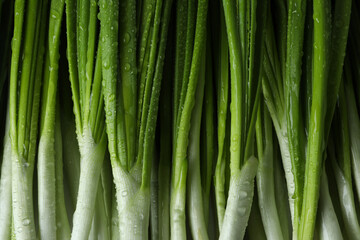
327	220
294	121
194	192
85	74
326	78
274	88
340	159
243	33
222	80
131	96
30	21
190	47
354	125
5	185
49	146
351	73
265	176
6	21
317	119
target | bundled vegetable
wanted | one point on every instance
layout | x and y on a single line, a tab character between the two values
84	58
27	59
162	119
131	101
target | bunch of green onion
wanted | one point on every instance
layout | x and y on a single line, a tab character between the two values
186	119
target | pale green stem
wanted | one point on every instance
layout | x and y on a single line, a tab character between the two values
5	186
346	200
354	124
329	226
265	181
22	202
92	156
46	186
62	222
194	189
239	202
133	205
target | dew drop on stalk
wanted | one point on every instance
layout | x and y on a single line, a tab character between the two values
243	194
111	97
124	193
26	222
106	65
127	67
242	211
126	38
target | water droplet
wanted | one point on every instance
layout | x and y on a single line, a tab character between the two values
126	38
242	211
111	97
26	222
243	194
54	13
124	193
127	67
106	65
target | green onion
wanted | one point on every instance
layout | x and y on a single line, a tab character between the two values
28	39
85	78
132	172
47	157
